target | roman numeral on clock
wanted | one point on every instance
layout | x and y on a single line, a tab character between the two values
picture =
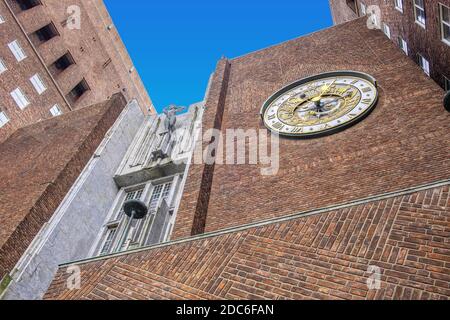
278	125
272	117
297	130
366	101
368	89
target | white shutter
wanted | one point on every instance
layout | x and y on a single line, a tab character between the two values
55	110
387	30
38	83
405	46
20	98
17	50
3	119
2	66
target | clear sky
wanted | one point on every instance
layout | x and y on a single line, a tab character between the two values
176	44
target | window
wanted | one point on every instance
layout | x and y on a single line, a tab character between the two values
20	98
387	30
403	45
78	91
28	4
2	20
56	110
352	5
424	64
17	50
445	23
117	238
363	9
3	118
160	192
419	12
2	66
38	84
44	34
61	64
399	5
109	239
446	83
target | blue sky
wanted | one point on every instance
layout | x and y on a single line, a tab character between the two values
175	44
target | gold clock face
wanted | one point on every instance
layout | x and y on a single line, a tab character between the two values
321	105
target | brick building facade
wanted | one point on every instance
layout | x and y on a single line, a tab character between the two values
420	27
52	155
376	194
57	56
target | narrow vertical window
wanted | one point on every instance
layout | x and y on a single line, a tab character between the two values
2	66
446	83
3	118
387	30
109	239
403	45
445	23
20	98
363	9
38	84
17	50
419	12
399	5
424	64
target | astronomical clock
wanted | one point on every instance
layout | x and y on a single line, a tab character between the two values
320	105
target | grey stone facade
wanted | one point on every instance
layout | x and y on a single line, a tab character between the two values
78	220
137	154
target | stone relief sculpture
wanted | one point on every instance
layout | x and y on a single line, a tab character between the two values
171	116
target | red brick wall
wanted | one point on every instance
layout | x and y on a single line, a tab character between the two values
402	144
18	75
324	256
92	47
424	41
40	163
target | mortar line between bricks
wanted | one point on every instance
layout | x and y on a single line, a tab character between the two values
263	223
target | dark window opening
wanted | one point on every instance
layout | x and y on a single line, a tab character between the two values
61	64
352	4
27	4
44	34
76	93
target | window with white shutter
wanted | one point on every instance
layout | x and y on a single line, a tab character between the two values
387	30
20	98
17	50
2	66
424	64
403	45
445	23
3	118
38	84
419	12
399	5
56	110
